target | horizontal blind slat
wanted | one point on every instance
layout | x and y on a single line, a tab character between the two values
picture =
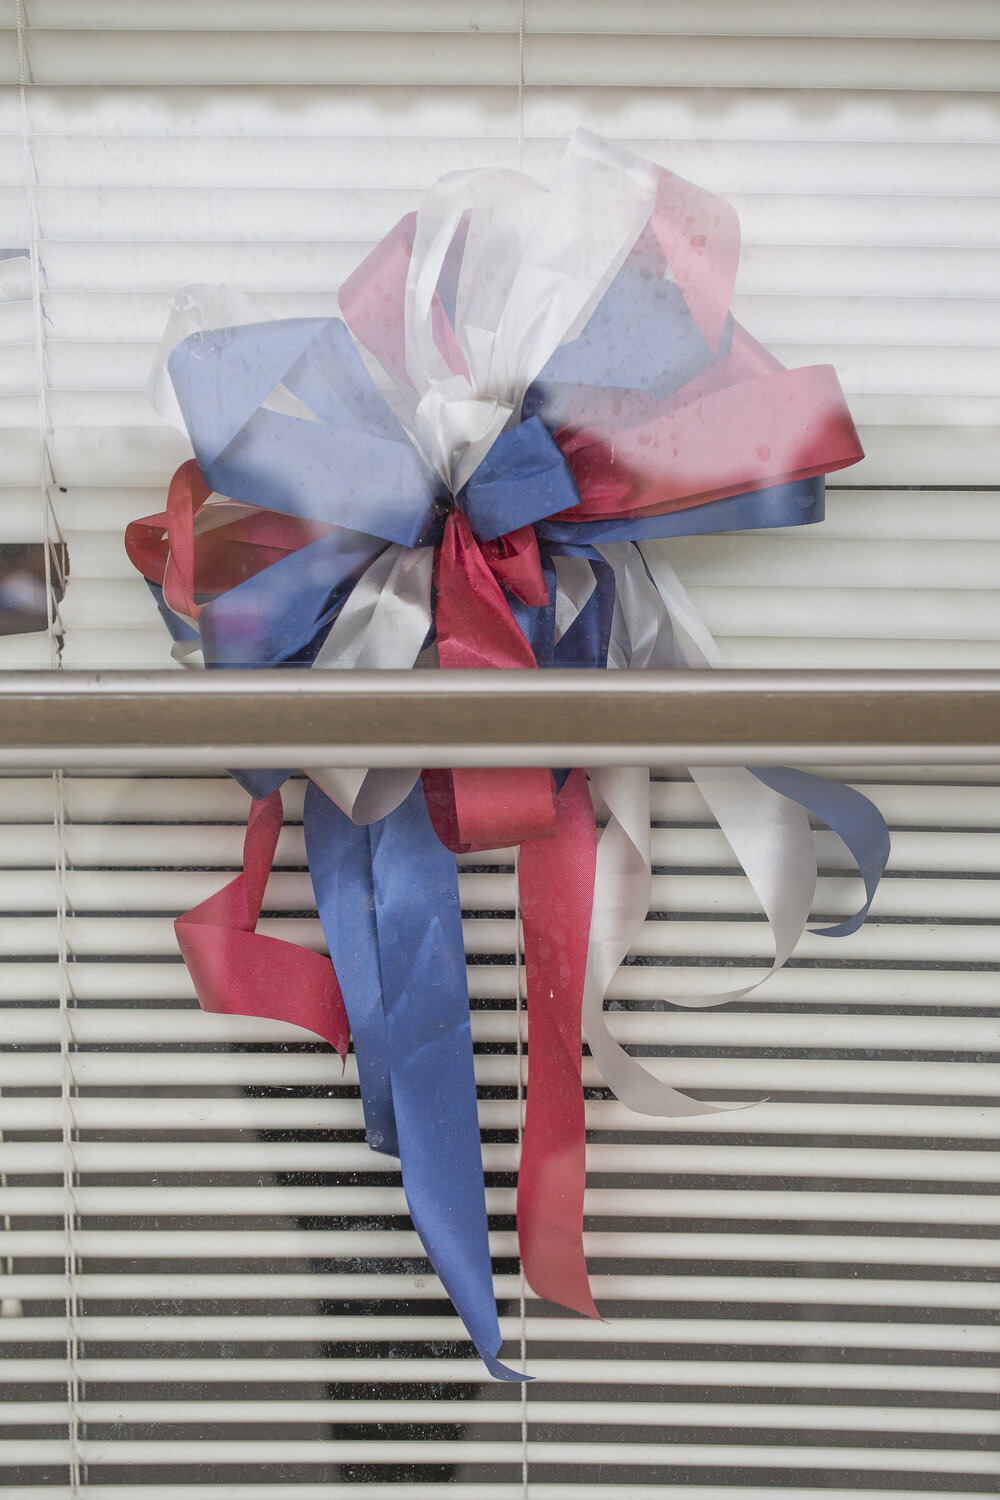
71	58
973	18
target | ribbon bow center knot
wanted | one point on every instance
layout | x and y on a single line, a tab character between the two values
455	427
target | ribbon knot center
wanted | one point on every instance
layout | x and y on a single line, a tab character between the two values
456	427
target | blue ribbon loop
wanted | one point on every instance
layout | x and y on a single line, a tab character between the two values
288	608
352	465
640	337
799	502
523	478
855	820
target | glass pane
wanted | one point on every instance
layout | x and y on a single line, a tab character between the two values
211	1279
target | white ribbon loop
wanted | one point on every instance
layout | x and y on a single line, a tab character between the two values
524	287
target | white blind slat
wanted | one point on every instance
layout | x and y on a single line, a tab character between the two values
852	18
220	58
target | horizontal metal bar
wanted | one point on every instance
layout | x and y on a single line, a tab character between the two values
589	718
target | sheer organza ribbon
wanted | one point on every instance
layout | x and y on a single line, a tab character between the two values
466	470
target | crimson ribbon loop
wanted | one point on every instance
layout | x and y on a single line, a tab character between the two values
167	552
187	494
241	972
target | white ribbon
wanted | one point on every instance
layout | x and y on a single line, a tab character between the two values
656	625
382	626
528	282
196	309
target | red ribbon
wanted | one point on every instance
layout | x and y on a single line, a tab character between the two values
556	877
166	551
725	439
475	628
475	809
240	972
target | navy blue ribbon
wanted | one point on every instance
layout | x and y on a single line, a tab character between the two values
799	502
387	896
523	478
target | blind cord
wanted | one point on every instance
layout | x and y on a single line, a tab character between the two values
53	568
69	1131
51	530
522	1288
520	86
517	896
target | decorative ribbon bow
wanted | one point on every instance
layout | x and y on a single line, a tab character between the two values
526	386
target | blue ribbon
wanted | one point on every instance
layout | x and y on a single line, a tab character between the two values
352	466
797	503
387	896
640	337
340	863
855	820
523	478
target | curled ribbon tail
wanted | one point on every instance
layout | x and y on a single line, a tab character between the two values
241	972
855	820
621	901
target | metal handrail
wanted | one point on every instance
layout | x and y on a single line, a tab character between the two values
305	718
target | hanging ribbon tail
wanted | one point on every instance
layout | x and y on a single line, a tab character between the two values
340	863
556	878
409	945
855	820
621	901
239	971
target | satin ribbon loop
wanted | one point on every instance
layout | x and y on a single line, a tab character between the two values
523	478
239	971
340	456
185	497
516	564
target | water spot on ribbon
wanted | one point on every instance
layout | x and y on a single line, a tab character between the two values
698	241
763	452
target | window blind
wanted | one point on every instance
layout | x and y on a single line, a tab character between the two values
212	1286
